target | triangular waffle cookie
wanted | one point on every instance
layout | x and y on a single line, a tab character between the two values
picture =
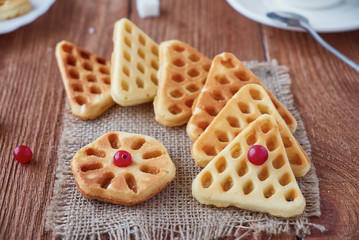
86	77
249	103
232	180
182	74
97	177
134	65
226	76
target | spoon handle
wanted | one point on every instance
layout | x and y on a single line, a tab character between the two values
321	41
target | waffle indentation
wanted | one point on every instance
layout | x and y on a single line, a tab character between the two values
193	73
294	159
242	75
285	179
255	94
77	87
222	136
227	184
242	168
91	78
286	141
266	126
91	167
74	73
211	111
217	95
278	162
138	143
244	107
291	195
151	154
248	187
175	109
178	63
149	169
95	152
192	88
251	138
131	182
221	164
67	48
209	150
106	180
141	53
139	82
272	143
236	150
178	48
95	89
114	141
194	58
263	174
81	100
176	93
269	191
233	122
222	79
206	180
178	78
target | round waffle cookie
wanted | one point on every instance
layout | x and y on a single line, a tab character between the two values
97	177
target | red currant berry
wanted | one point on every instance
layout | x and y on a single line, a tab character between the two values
257	154
22	154
122	159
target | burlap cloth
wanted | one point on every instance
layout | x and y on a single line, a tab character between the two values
173	213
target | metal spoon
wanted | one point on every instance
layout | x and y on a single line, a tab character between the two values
296	20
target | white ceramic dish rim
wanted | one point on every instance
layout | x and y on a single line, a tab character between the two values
39	8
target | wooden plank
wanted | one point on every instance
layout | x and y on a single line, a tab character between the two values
31	103
326	92
210	26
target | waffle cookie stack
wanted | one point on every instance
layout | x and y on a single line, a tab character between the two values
229	112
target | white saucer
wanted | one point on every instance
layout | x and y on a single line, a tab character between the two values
39	7
339	18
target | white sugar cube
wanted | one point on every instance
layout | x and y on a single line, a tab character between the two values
148	8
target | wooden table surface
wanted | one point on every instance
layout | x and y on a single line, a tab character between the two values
32	98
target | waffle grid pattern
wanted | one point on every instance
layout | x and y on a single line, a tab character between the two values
231	180
94	169
183	72
87	81
251	102
135	65
226	76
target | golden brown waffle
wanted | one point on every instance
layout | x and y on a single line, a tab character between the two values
13	8
182	74
134	65
86	77
97	177
231	180
249	103
226	76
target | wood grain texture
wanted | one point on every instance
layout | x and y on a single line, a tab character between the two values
326	92
31	100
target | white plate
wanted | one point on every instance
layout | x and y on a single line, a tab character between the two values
339	18
39	7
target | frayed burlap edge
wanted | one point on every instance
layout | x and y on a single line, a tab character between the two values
58	215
